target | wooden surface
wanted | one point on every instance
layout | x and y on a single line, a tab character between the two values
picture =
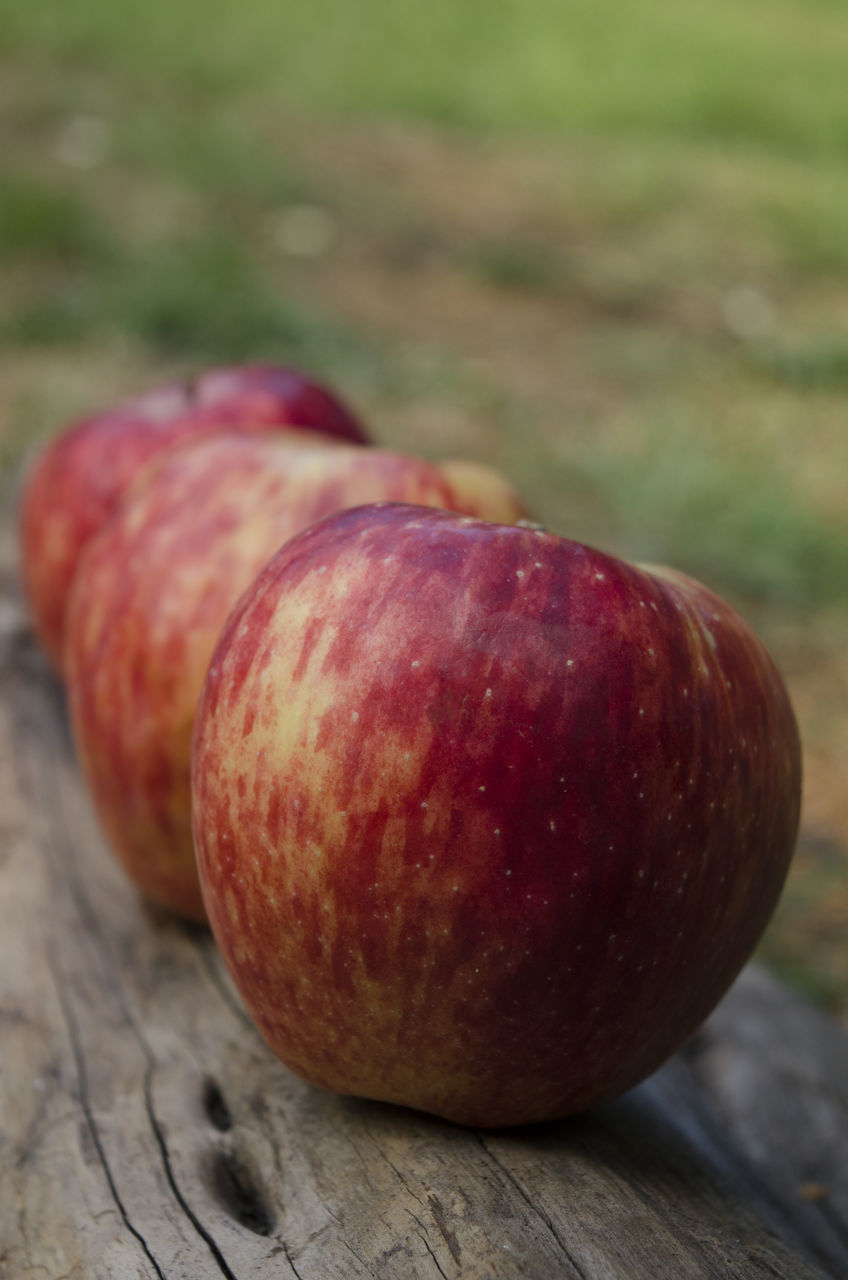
146	1131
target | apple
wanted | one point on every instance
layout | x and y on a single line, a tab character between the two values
486	821
150	596
79	478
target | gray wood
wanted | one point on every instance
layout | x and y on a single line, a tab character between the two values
146	1131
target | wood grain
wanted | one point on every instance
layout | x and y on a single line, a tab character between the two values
146	1131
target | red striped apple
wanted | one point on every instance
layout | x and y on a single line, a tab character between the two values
151	594
487	821
79	479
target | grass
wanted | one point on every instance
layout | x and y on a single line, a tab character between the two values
680	500
599	246
197	300
768	73
39	222
162	229
696	151
811	366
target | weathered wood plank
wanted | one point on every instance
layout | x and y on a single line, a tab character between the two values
146	1130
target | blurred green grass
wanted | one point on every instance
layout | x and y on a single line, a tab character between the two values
765	73
143	161
706	149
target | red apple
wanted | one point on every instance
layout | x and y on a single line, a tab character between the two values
487	821
78	480
151	594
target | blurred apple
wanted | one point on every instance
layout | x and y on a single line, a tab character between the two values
79	478
487	821
151	594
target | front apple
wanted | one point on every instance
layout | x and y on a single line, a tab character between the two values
79	479
154	589
487	821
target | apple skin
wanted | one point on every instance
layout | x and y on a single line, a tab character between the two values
80	477
486	821
151	595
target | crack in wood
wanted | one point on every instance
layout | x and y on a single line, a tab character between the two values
436	1207
422	1236
440	1218
290	1261
159	1135
535	1210
65	1005
349	1247
401	1177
